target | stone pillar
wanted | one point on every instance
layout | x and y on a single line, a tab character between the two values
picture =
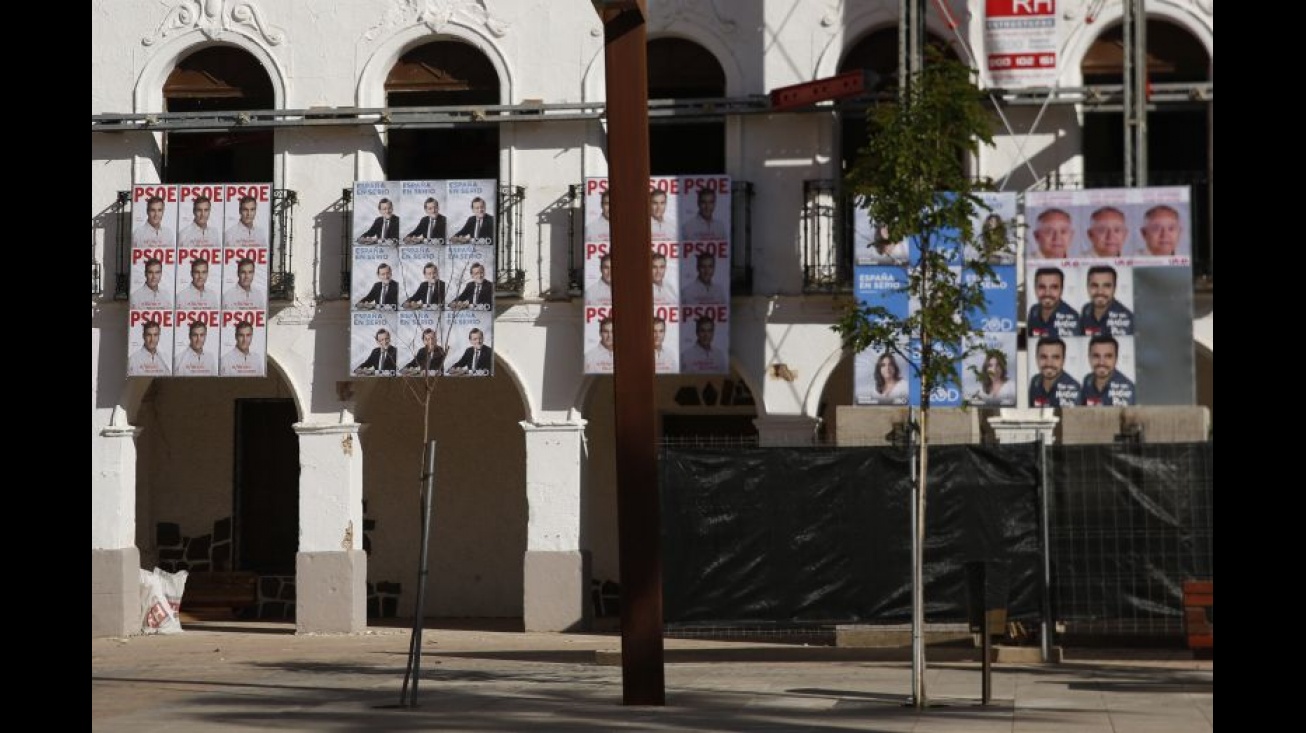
115	560
1025	425
331	567
778	431
556	574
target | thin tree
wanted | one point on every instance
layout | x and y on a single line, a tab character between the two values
419	378
912	177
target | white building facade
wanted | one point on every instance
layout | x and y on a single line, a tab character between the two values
311	478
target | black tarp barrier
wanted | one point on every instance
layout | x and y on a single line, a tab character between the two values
1128	525
805	536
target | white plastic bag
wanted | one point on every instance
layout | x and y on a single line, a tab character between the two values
161	593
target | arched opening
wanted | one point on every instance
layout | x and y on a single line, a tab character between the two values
217	481
838	390
680	69
443	74
1178	135
876	52
478	529
218	78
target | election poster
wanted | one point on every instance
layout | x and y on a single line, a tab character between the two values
471	343
423	274
373	343
423	269
988	374
1109	293
422	345
1020	43
689	226
244	342
149	343
196	343
882	377
200	254
240	268
881	276
153	248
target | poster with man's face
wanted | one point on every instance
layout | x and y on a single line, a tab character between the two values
424	257
1127	278
690	267
200	254
244	340
247	214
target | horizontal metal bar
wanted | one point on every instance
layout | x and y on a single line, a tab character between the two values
660	109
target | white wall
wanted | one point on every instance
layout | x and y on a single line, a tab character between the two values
338	54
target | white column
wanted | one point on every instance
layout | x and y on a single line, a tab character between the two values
1025	425
774	431
330	567
556	568
115	560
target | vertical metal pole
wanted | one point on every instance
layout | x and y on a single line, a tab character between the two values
911	60
1045	495
414	670
1134	30
1127	80
917	574
1139	51
986	645
639	522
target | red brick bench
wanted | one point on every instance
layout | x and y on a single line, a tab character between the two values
234	590
1199	623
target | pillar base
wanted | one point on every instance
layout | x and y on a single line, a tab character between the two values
1025	425
115	592
786	430
557	592
331	592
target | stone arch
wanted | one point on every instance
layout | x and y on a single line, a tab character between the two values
147	96
370	91
816	388
711	43
187	475
871	19
479	524
136	388
1112	15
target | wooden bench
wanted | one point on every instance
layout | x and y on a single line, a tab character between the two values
1199	617
234	590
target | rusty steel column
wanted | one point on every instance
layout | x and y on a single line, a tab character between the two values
639	521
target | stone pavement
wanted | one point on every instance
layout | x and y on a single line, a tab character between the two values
262	676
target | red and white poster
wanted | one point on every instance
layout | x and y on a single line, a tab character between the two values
153	247
197	339
199	253
689	227
244	343
1020	43
149	343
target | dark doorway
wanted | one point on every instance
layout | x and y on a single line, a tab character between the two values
680	69
1178	135
218	78
443	74
267	486
876	53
